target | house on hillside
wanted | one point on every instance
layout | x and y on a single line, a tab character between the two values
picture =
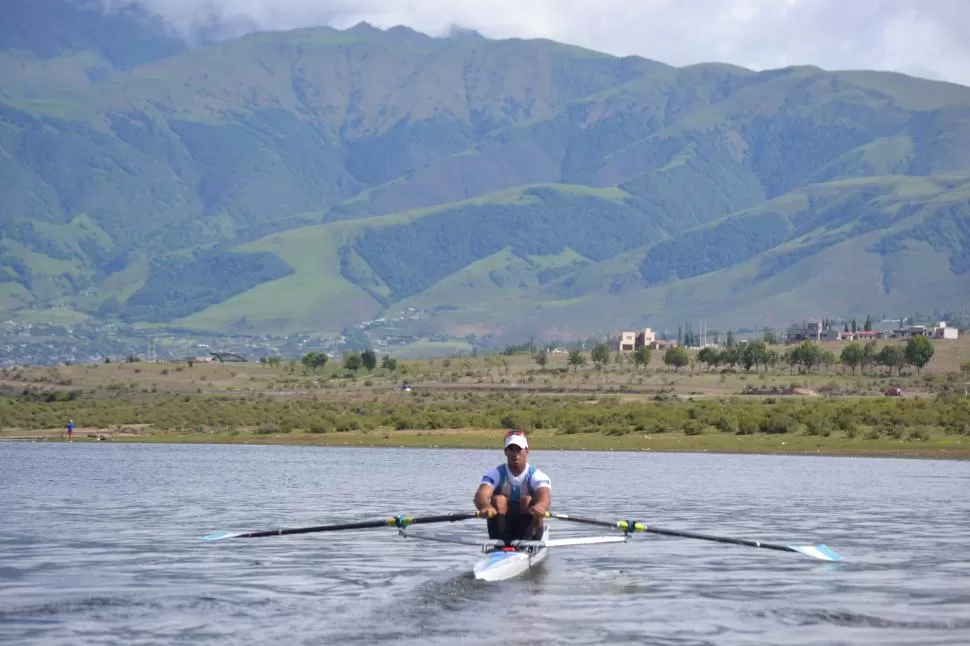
944	331
630	341
808	332
625	342
646	337
909	331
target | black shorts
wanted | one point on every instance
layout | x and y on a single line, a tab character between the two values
518	526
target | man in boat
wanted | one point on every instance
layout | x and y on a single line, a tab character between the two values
514	496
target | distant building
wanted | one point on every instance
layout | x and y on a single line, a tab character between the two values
939	331
808	332
629	341
646	337
625	342
944	331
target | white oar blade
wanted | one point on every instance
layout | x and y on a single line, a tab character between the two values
820	552
218	536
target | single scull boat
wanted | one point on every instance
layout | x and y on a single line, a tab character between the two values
502	562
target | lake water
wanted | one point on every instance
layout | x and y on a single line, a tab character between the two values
99	544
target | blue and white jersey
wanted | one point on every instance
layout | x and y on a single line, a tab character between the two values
503	482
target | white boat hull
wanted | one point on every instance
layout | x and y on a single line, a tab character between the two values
505	563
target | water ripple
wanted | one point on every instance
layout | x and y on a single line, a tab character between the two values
100	545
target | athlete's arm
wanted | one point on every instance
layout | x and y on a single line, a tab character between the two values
540	502
483	496
542	498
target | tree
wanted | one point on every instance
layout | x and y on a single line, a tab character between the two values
892	356
754	353
828	359
855	326
600	354
846	328
730	356
576	358
352	360
641	357
389	363
729	342
868	355
851	356
676	356
369	359
772	359
314	360
919	351
542	358
867	326
808	354
708	356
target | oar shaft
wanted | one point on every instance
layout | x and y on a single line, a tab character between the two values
394	521
588	521
639	527
629	526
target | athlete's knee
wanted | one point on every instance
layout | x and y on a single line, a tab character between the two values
524	503
501	503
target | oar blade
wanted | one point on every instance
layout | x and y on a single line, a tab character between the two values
820	552
218	536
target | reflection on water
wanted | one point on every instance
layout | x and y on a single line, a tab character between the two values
100	544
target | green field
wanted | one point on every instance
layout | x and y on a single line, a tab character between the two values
468	402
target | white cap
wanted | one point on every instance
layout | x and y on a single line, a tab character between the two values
516	438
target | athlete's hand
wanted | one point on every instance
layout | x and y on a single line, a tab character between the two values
488	511
538	512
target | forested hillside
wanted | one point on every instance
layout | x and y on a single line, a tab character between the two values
308	180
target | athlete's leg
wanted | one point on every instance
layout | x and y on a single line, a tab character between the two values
531	527
497	523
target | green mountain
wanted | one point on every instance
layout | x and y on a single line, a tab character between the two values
309	180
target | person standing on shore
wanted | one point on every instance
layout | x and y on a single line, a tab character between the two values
70	430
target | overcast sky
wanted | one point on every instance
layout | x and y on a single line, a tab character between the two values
928	38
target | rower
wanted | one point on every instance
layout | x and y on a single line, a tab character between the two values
516	495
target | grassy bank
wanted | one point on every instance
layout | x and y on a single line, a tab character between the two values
467	402
942	446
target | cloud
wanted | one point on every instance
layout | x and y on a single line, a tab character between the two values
920	37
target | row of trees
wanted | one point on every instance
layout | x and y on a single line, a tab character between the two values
807	356
352	360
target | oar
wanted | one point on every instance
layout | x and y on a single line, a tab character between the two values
821	552
394	521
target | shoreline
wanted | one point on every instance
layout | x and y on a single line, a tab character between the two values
781	444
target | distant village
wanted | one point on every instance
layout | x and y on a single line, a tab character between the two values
628	341
48	343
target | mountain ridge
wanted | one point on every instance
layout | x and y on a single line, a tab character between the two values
183	190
